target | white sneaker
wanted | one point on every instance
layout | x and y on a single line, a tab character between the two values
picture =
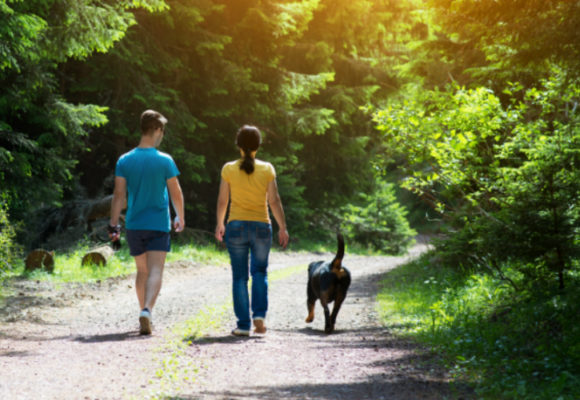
145	322
240	332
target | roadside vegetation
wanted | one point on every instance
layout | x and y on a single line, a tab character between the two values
508	344
68	267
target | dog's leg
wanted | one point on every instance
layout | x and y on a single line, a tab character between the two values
310	304
327	324
310	316
337	303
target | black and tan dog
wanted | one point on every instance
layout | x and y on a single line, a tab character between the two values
328	282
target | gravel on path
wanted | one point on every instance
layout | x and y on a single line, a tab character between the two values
81	341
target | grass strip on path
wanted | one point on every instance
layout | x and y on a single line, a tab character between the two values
178	369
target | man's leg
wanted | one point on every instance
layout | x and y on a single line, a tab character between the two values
155	263
148	284
141	278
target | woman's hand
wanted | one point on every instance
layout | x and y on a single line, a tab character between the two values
220	231
283	238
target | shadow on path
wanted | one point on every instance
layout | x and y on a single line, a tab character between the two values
377	387
111	337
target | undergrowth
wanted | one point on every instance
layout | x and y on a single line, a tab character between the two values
68	267
507	344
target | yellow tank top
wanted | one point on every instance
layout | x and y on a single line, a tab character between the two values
248	193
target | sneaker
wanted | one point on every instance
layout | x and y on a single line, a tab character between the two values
145	322
240	332
259	325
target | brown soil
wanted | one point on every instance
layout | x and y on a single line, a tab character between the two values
81	342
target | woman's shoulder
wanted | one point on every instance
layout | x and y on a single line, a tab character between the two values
265	166
263	163
231	164
229	168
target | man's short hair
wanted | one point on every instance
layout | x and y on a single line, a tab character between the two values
151	120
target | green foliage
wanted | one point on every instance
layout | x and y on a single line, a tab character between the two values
42	132
292	68
378	221
508	345
538	182
492	42
505	177
8	246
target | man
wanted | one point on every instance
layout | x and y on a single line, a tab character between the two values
147	175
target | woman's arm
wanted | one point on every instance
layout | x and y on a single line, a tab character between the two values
276	206
222	206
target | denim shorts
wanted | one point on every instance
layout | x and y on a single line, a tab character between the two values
141	241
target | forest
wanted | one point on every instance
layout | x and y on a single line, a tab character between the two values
383	118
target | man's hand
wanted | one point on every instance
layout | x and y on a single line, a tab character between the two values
178	224
114	232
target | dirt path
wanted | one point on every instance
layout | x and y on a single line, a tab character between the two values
81	342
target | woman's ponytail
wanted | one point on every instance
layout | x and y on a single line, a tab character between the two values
248	139
247	162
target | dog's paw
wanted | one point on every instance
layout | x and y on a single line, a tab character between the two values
309	319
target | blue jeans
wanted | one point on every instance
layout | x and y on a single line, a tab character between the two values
253	239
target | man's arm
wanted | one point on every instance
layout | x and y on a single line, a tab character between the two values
278	211
117	204
176	195
222	206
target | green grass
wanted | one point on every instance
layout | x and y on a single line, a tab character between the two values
208	254
507	345
68	268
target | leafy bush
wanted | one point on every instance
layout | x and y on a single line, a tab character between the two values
378	221
8	248
504	177
506	344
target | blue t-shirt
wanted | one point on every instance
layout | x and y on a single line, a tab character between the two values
146	171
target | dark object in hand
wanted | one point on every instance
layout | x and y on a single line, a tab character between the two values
114	229
115	234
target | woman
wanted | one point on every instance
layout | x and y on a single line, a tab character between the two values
250	185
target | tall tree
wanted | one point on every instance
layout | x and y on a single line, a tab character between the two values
294	68
42	133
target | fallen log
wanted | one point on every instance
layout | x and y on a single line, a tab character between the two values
98	256
40	258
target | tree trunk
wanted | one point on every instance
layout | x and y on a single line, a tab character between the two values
98	256
40	258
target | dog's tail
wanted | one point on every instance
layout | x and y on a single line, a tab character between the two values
337	262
